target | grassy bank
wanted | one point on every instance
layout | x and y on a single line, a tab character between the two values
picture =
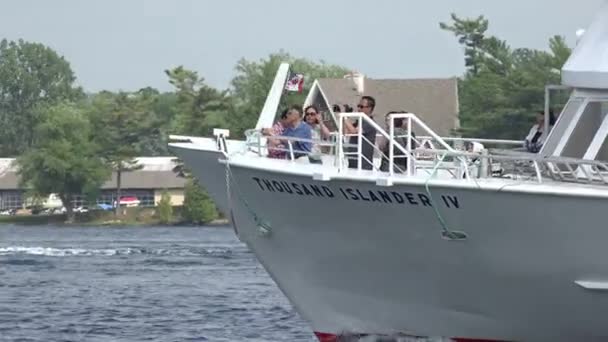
128	217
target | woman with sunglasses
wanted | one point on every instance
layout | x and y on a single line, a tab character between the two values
319	131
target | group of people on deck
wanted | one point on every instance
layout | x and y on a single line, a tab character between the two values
292	134
300	135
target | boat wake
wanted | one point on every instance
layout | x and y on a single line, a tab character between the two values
68	251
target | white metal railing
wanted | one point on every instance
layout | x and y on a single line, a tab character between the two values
481	141
411	118
502	142
458	163
254	142
361	117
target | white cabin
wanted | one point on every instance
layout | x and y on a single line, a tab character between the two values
582	128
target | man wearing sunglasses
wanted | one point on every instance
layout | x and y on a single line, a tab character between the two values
366	105
296	128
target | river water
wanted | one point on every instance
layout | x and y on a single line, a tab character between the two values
137	284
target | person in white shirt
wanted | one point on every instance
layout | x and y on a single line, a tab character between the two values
537	135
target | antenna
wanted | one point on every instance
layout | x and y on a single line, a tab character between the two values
579	35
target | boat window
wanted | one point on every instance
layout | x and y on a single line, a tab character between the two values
599	147
563	121
602	155
584	131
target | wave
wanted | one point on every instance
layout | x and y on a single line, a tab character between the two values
62	252
26	262
165	262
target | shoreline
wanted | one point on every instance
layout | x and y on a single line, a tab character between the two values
131	218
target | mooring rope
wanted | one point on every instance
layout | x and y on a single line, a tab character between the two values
263	226
446	232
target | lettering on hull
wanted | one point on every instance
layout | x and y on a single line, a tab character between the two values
357	195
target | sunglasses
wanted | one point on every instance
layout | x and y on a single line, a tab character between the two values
362	106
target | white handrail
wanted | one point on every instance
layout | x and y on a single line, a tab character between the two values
360	144
391	153
481	140
410	162
363	116
410	117
461	139
524	164
340	151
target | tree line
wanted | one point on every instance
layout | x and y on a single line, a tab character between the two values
68	141
503	87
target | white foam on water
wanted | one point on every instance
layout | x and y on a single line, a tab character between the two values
61	252
58	252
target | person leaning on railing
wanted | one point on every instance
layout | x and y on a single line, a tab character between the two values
298	129
276	148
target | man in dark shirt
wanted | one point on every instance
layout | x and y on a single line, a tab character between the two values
366	105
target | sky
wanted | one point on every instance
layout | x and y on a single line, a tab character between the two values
127	44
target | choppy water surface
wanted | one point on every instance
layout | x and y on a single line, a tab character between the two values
137	284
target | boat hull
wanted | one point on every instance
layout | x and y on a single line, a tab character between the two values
202	160
353	257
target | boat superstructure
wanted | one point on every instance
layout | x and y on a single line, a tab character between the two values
478	245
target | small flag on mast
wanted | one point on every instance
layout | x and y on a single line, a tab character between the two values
295	82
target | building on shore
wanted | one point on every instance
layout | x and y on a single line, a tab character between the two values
433	100
146	184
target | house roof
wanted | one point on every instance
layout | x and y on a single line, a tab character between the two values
147	180
155	173
435	101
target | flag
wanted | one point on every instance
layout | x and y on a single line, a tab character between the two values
295	82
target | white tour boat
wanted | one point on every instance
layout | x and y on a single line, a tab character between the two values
479	246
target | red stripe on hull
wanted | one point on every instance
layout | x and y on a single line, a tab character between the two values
474	340
324	337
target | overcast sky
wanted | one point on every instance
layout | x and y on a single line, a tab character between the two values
126	44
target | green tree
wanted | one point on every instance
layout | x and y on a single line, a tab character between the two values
198	207
63	158
253	80
32	77
471	34
165	107
165	208
160	111
502	87
123	122
199	107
